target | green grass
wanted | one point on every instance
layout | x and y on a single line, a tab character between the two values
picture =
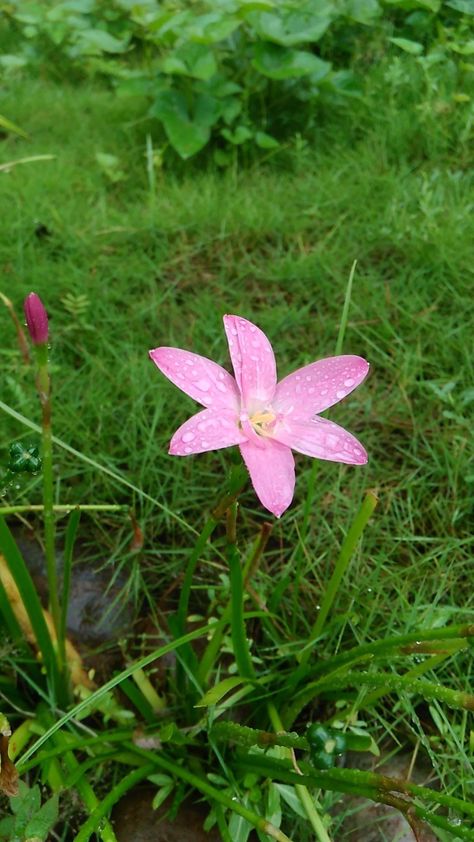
389	184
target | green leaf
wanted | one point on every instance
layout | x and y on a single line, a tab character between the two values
466	7
43	821
186	135
161	796
288	793
12	62
215	694
239	828
99	41
238	136
231	109
289	27
282	63
363	11
266	141
195	60
212	27
412	47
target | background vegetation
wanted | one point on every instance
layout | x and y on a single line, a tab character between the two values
312	140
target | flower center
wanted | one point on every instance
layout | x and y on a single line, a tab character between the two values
262	422
257	426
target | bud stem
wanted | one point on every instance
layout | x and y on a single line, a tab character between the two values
43	384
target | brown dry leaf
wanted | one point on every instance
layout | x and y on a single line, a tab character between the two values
79	676
8	772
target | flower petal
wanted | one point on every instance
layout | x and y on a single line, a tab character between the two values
207	430
321	438
317	386
272	470
253	361
202	379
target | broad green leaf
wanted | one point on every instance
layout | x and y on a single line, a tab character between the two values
27	802
98	40
273	812
230	110
186	134
161	796
43	821
238	136
466	7
409	5
12	62
266	141
212	27
289	27
195	60
290	797
466	49
239	828
363	11
207	109
412	47
215	694
283	63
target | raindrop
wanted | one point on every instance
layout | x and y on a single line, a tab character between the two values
340	394
188	437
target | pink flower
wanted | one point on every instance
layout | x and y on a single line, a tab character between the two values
265	418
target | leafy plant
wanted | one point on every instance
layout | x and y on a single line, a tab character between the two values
242	73
31	821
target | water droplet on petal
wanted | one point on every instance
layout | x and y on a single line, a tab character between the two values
349	382
187	437
340	394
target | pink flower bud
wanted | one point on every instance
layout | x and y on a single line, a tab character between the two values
36	319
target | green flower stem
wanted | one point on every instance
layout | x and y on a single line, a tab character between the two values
44	390
239	635
196	554
347	550
388	645
212	649
253	561
156	702
428	690
370	699
96	821
377	787
245	736
62	509
237	479
301	790
388	681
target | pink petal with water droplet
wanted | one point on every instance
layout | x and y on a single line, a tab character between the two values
202	379
272	471
207	430
321	438
253	361
317	386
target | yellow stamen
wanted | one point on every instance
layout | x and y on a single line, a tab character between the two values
262	418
